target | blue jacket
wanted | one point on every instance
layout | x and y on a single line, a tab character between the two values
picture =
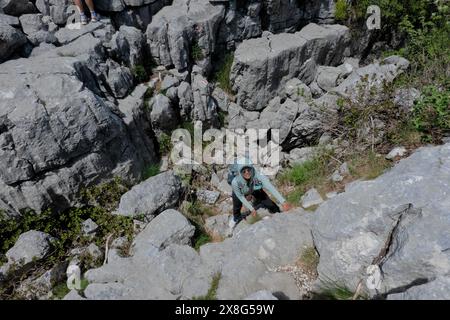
242	187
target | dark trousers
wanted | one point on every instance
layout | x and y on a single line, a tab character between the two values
261	200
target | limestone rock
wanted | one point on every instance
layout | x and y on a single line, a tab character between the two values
152	196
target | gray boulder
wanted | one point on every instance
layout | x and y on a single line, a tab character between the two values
263	66
9	20
169	227
254	251
152	196
66	35
163	114
311	198
217	226
43	48
175	30
208	196
11	40
128	46
59	10
278	115
300	155
311	121
48	98
402	227
186	100
330	77
73	295
366	84
295	89
119	79
177	272
204	107
29	248
17	7
38	28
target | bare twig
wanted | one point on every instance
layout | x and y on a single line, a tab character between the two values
107	248
358	289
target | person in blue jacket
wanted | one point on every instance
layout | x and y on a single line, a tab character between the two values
249	190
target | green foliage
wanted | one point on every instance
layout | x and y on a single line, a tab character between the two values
337	292
150	171
139	73
196	52
431	114
165	143
306	172
311	173
222	76
106	195
201	240
392	11
212	292
341	13
60	291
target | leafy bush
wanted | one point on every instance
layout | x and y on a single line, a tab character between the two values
165	143
431	114
106	195
139	73
150	171
341	13
196	52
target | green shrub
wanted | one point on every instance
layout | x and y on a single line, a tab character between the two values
196	52
165	143
150	171
341	13
222	76
431	114
139	73
106	195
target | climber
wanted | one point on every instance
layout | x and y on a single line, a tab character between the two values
83	17
250	186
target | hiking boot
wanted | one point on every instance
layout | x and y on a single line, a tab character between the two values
231	225
83	19
94	17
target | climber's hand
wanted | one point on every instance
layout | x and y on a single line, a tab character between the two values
286	206
254	213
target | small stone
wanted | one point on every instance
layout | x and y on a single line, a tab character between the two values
331	195
207	196
94	251
344	170
336	177
311	198
396	152
89	227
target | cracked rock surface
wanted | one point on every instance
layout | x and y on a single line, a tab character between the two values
402	226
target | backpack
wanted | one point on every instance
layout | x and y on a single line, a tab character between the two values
232	172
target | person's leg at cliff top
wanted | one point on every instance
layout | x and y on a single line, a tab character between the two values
90	4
